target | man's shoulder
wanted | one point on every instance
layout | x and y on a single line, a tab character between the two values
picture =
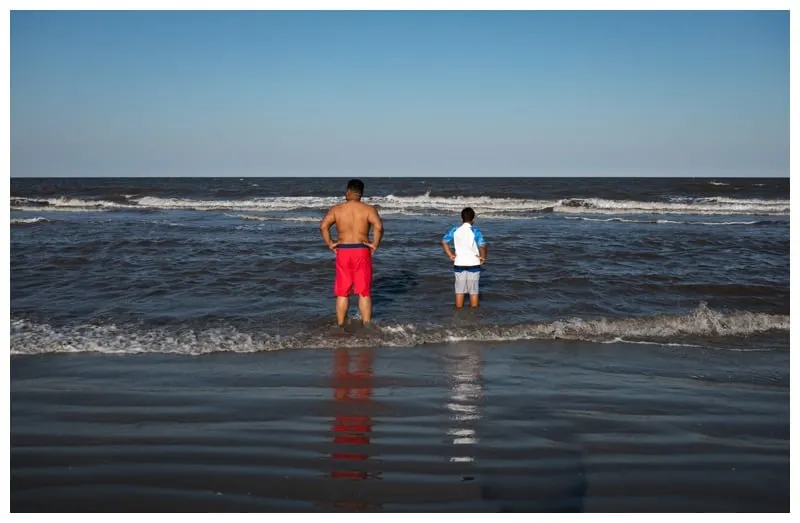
367	207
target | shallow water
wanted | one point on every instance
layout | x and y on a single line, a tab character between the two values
535	426
197	265
171	348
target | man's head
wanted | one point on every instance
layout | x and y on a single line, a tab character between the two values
355	188
467	215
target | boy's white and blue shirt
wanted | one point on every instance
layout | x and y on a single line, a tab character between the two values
466	240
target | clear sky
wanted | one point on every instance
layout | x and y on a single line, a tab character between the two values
266	93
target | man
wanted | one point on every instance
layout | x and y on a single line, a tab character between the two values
470	254
353	250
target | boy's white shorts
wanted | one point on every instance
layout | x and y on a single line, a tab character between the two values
467	282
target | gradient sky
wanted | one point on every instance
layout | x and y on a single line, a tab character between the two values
182	93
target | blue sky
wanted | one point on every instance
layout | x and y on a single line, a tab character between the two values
344	93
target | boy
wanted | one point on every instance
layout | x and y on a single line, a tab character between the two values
470	254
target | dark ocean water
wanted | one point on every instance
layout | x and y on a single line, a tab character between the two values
172	348
228	264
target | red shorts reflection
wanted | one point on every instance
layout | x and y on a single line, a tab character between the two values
353	386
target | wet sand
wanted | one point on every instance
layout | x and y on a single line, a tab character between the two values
516	427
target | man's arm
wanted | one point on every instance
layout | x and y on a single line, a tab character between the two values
377	228
483	253
325	229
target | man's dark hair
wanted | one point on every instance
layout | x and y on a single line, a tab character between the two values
467	215
355	186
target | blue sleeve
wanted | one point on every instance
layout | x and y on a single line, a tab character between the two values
449	236
478	237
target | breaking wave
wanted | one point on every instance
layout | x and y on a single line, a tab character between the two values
698	326
675	222
278	218
29	221
701	206
421	205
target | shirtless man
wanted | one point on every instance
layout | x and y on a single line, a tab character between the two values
353	250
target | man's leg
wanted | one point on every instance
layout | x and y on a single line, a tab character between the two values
342	285
365	308
362	285
342	304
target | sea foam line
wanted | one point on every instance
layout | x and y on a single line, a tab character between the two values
426	204
277	218
28	221
664	222
34	338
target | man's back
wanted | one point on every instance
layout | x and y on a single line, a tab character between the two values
353	250
352	220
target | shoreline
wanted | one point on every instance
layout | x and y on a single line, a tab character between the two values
519	426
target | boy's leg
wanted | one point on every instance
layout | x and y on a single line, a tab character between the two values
461	288
473	279
460	301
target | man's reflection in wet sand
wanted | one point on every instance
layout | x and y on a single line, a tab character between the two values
352	427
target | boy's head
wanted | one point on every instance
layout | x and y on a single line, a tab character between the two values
467	215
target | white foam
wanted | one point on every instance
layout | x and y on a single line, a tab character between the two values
662	222
59	209
620	220
709	223
492	216
426	204
33	338
662	344
713	206
279	219
28	221
65	202
281	203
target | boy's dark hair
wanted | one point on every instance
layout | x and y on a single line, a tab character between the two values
467	215
356	186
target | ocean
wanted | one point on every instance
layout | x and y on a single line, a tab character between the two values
172	347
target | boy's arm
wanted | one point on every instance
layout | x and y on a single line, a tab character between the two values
446	239
448	252
481	244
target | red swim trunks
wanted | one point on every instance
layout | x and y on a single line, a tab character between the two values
353	269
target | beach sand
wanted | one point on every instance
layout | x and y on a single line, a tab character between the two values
516	426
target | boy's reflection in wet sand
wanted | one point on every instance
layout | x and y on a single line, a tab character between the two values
466	391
